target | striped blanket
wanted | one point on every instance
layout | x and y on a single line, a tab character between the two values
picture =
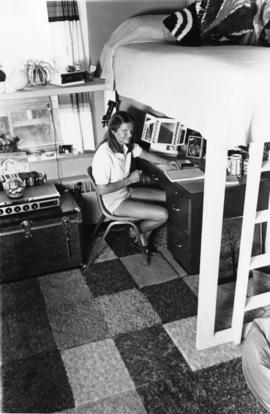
240	21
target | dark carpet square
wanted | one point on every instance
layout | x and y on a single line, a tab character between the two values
109	277
25	328
225	386
36	385
173	300
164	398
16	297
120	242
217	390
149	355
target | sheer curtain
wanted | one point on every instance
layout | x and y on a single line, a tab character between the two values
24	34
69	40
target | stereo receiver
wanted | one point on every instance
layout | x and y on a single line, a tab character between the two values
34	198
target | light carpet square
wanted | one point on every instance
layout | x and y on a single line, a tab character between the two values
96	371
126	311
64	287
125	403
172	262
159	270
74	316
183	334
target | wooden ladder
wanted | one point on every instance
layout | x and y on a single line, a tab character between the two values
246	261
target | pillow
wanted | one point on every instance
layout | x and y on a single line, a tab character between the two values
223	20
184	26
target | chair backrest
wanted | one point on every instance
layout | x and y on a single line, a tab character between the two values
99	198
101	203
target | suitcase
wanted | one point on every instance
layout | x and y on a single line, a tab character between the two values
42	241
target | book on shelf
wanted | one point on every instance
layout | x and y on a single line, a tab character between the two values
184	174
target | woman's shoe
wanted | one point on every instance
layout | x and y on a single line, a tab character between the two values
150	250
153	249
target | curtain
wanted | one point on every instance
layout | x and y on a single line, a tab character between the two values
69	39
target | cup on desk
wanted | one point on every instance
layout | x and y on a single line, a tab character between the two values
234	164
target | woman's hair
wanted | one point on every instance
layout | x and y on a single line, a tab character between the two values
119	118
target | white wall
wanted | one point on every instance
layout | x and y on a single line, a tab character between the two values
24	33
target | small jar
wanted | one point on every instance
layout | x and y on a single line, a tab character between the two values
14	186
2	80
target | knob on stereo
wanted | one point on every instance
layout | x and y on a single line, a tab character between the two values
26	207
17	209
8	210
34	206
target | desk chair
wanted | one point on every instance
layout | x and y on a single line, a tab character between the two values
114	221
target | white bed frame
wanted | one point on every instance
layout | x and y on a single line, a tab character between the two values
216	161
215	174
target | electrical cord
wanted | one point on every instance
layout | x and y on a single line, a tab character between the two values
50	106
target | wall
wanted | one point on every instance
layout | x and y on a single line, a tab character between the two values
24	33
105	15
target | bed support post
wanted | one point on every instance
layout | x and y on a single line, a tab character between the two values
213	204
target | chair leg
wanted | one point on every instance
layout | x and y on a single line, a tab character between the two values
147	256
92	256
95	252
100	221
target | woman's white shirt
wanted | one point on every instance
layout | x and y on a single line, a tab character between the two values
109	167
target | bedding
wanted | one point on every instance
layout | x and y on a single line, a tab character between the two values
146	28
223	91
223	20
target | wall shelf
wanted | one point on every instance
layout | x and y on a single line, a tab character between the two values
96	84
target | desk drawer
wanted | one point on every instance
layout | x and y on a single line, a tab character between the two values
179	244
183	238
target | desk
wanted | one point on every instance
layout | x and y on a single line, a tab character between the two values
185	204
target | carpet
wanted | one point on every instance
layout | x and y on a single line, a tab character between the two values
115	341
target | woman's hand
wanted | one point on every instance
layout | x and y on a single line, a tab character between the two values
170	165
135	176
175	165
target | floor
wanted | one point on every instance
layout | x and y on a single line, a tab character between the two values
119	340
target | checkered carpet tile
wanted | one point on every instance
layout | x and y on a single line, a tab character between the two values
119	340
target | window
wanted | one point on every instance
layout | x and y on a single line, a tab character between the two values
33	122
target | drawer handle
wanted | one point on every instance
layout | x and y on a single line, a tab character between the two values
174	208
177	244
154	178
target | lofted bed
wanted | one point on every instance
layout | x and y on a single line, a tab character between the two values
221	91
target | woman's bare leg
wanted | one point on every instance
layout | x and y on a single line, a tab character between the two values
153	195
151	215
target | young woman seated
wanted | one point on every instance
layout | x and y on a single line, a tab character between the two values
113	176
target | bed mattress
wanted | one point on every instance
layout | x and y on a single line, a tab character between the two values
221	91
